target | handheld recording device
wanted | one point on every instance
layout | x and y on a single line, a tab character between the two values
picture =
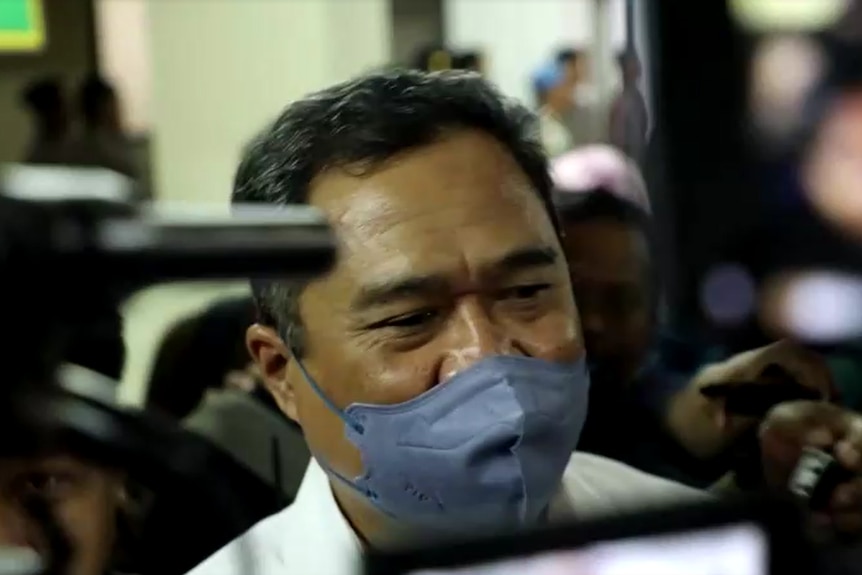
727	538
816	476
756	398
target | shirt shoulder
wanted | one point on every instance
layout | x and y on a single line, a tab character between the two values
598	486
311	536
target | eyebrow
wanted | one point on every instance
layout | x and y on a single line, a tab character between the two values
385	292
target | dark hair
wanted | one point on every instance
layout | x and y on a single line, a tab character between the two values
43	96
602	205
100	345
567	55
467	61
197	353
359	125
95	92
623	56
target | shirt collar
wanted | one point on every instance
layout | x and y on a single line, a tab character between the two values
316	504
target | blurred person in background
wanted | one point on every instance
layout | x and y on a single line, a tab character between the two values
640	372
433	59
204	376
202	379
554	88
101	141
472	61
574	64
583	117
629	116
47	104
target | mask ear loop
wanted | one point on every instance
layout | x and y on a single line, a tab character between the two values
355	425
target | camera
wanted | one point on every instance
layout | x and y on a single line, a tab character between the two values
73	244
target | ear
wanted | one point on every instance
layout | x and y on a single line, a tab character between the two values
272	358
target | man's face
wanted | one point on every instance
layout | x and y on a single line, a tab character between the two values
608	262
447	256
84	499
576	70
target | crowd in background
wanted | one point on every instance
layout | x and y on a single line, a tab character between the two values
84	131
647	406
569	115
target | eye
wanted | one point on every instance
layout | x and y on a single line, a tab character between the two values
410	320
44	484
525	292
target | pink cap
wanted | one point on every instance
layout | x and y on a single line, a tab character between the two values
598	166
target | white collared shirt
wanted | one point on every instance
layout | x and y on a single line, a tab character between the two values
312	537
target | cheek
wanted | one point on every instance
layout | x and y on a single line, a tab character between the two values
90	523
379	376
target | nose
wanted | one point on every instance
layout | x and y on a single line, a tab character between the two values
474	336
592	322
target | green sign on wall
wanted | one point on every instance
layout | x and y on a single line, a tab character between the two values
22	27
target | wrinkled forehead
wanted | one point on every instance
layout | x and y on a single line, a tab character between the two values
462	197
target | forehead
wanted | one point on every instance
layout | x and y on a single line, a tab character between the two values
605	248
449	203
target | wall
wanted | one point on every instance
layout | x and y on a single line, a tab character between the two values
222	69
416	24
69	54
122	35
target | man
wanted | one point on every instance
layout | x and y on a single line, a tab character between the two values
202	376
102	142
585	119
472	61
239	415
554	89
607	243
438	369
629	119
574	65
412	363
47	105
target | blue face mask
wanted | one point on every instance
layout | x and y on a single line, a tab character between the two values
485	449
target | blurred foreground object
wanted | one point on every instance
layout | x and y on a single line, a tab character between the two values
818	306
70	244
771	15
833	172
